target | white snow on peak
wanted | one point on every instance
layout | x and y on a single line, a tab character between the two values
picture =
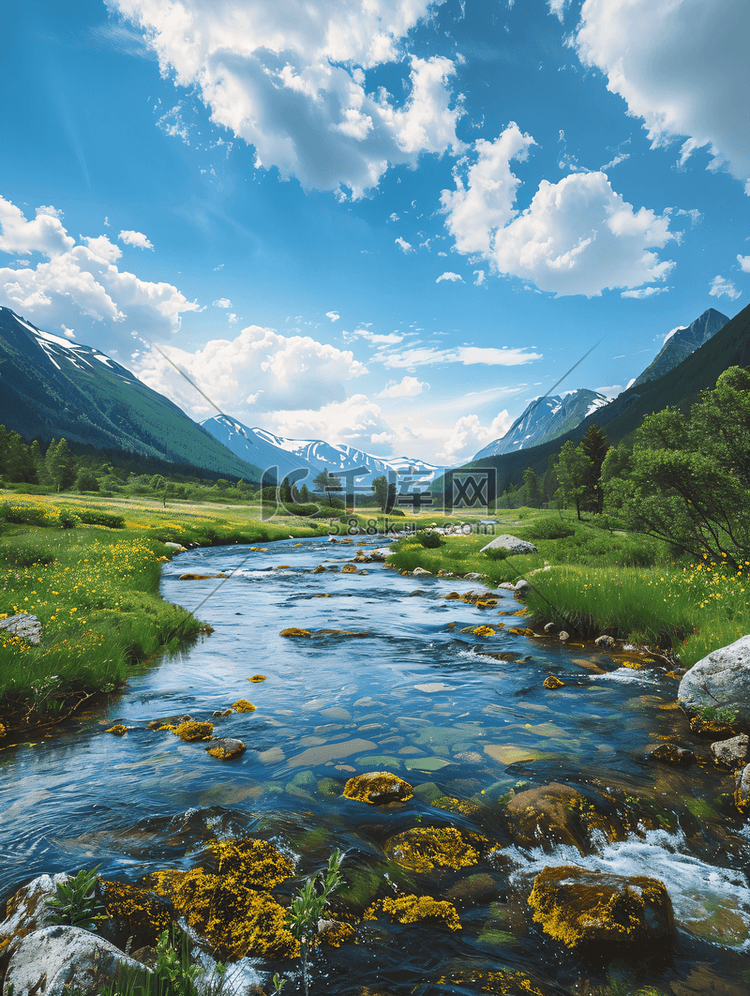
668	336
103	359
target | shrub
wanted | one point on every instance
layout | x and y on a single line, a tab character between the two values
429	538
96	517
550	528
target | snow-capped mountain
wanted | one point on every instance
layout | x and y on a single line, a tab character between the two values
544	420
267	450
52	387
681	342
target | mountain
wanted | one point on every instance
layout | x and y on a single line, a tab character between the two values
681	342
545	419
50	387
267	450
679	388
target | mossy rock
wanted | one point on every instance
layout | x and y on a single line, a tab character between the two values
377	788
132	912
559	814
588	909
422	849
225	748
192	730
331	787
415	909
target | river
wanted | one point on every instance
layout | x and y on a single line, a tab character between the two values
461	716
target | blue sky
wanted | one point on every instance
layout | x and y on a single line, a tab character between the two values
388	223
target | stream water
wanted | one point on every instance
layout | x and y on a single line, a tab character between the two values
456	714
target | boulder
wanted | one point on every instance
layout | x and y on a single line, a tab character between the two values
27	909
679	757
590	909
742	789
510	543
24	625
56	960
732	753
559	814
225	748
380	553
720	683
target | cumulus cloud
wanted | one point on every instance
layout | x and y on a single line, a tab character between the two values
404	245
333	315
686	76
721	287
137	239
356	421
452	277
80	286
578	236
260	370
409	387
222	302
466	355
744	262
469	435
291	80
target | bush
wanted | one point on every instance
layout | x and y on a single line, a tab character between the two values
96	517
429	538
550	528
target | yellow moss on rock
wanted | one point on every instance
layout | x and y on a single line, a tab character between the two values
295	631
191	730
414	909
483	631
257	677
377	788
581	907
118	729
551	681
231	907
423	849
135	912
242	705
457	805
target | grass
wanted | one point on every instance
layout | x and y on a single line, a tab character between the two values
96	592
598	581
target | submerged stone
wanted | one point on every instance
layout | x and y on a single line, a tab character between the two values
558	814
415	909
552	682
225	748
678	757
295	631
377	788
582	908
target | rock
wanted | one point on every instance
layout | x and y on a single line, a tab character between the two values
421	570
549	627
553	682
510	543
225	748
51	959
24	625
474	576
742	789
295	631
520	587
195	577
605	641
732	753
678	757
584	908
380	553
424	849
377	788
191	730
711	728
563	636
720	682
558	814
27	910
175	546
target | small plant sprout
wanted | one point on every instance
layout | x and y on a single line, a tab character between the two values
75	902
307	909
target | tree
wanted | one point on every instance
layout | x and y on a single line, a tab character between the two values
691	476
594	445
573	468
328	483
87	480
60	465
532	489
615	479
385	493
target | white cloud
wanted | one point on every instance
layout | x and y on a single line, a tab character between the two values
578	236
356	421
721	287
222	302
333	315
686	75
259	370
291	79
405	246
744	262
409	387
469	435
557	7
232	318
80	286
448	275
643	292
137	239
467	355
481	276
376	338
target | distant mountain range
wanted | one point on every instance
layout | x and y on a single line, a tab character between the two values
545	419
548	418
50	387
306	458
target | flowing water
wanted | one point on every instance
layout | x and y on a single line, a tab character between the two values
464	718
